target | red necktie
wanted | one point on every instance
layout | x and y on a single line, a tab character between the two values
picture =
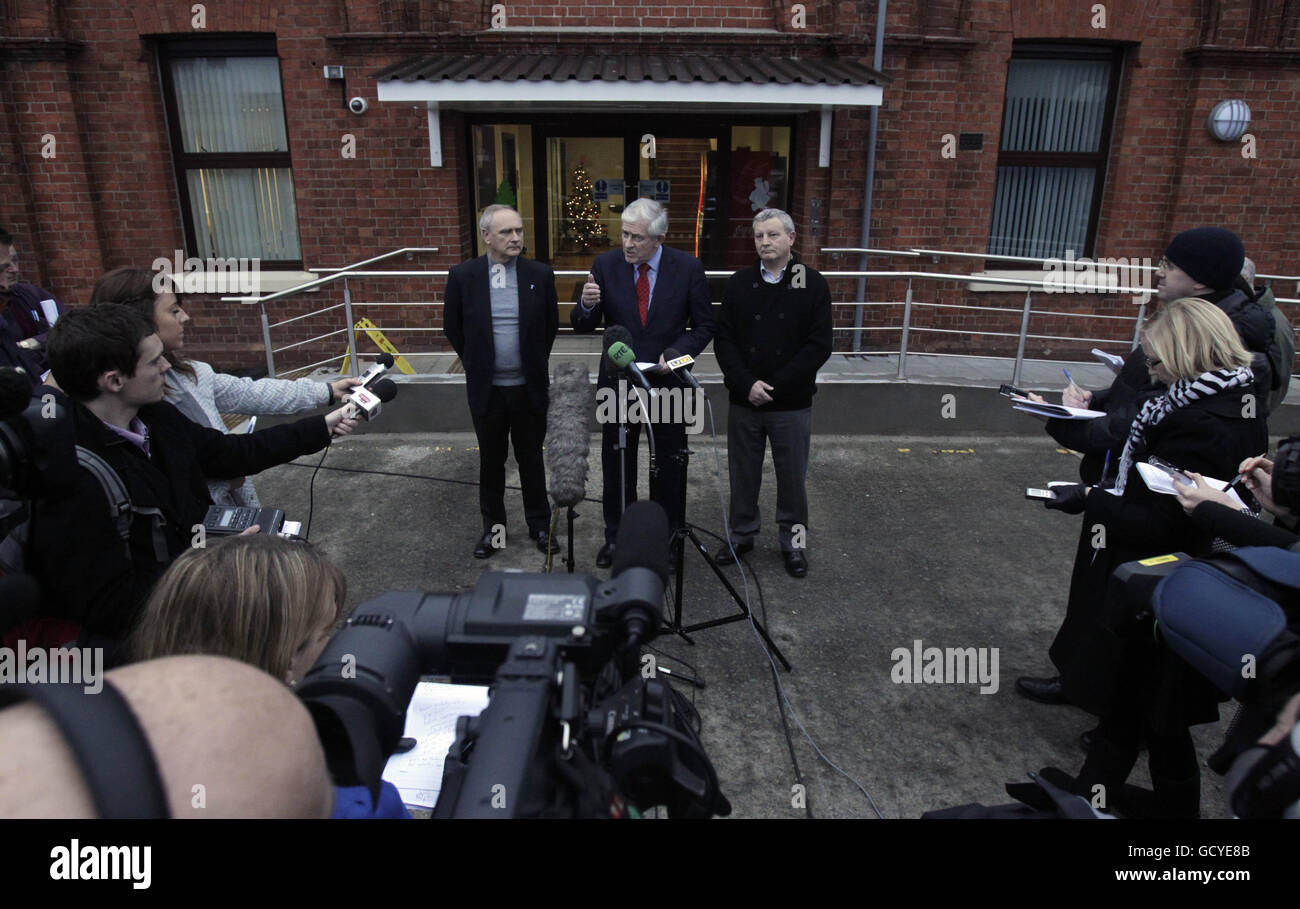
643	292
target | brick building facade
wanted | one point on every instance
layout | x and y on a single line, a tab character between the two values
97	175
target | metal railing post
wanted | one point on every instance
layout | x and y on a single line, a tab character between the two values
907	323
266	340
1137	329
352	332
1020	345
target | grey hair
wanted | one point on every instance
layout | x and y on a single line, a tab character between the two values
485	220
650	211
1248	270
768	214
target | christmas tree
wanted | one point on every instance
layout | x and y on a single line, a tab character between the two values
582	227
505	194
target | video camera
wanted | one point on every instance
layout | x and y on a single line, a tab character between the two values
571	728
1234	618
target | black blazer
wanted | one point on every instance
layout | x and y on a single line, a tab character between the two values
681	299
467	319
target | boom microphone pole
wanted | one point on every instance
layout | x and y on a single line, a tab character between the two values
568	439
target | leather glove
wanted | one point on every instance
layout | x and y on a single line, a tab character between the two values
1069	499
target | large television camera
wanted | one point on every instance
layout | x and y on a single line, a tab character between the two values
1234	618
572	729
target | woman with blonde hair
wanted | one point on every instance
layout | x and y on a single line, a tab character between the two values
194	387
1207	421
265	601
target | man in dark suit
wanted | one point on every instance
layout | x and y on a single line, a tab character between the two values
501	316
661	297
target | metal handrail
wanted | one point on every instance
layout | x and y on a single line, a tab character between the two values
1051	282
919	251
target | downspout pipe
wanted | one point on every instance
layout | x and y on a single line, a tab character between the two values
868	191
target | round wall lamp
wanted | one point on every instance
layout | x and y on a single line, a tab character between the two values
1229	120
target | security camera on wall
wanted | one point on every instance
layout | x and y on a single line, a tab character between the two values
358	105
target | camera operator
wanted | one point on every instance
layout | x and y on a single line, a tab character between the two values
109	360
241	733
265	601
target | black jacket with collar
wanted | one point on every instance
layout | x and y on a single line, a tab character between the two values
84	569
780	333
467	319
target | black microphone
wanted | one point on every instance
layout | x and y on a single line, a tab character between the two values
367	402
618	347
568	433
640	570
681	364
377	369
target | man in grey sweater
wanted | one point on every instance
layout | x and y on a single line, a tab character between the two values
501	316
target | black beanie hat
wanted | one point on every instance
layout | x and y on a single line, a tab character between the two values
1210	255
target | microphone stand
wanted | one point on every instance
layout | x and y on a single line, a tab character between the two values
677	553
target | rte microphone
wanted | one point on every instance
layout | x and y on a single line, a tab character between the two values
619	350
568	433
377	369
367	402
680	364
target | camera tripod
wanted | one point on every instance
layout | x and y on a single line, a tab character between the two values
677	552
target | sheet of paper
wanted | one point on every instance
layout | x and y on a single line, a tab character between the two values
51	311
1114	363
431	721
1056	411
1158	480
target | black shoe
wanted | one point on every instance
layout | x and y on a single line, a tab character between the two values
546	543
796	563
724	557
605	557
1045	691
484	549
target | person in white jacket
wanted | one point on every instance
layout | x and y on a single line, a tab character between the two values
199	391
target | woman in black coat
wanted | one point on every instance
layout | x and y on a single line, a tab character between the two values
1208	421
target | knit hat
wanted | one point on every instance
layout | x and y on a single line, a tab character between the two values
1210	255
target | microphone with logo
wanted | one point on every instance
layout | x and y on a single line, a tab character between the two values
618	347
681	364
368	401
568	439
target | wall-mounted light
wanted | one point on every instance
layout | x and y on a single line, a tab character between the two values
1229	120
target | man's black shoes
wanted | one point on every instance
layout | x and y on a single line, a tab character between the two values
1045	691
796	563
546	543
605	557
484	549
724	557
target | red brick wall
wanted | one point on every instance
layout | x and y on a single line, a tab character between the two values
109	197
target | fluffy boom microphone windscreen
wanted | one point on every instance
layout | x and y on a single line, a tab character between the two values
568	433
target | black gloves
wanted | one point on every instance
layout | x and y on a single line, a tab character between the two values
1069	499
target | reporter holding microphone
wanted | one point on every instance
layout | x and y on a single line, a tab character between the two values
194	387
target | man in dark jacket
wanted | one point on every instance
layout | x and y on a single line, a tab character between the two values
110	362
25	312
774	333
501	316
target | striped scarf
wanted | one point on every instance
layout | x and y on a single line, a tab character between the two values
1180	394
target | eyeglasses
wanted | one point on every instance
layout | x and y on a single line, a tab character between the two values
1164	264
1151	362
